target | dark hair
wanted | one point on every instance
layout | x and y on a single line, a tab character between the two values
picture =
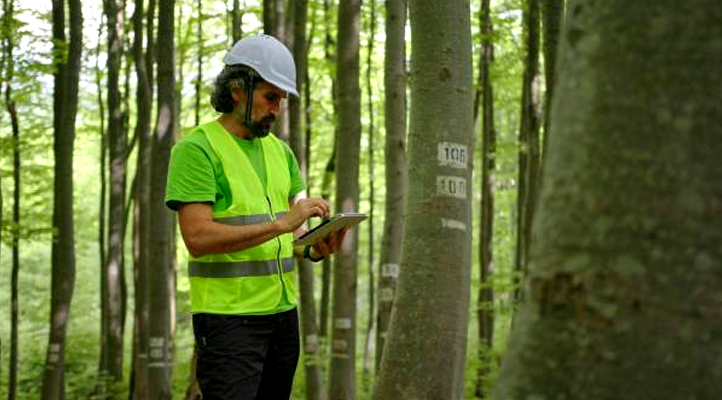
221	98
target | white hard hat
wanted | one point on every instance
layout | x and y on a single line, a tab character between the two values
267	56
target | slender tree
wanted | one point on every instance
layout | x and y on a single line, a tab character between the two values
529	150
141	216
623	290
395	158
103	152
199	61
485	302
552	14
342	380
113	279
369	343
309	321
11	107
237	20
330	170
161	278
65	105
427	337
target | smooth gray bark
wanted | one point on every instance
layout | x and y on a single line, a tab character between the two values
342	382
161	277
425	350
141	216
65	100
485	302
113	276
624	290
529	149
395	160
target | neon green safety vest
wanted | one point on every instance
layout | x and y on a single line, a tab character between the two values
250	281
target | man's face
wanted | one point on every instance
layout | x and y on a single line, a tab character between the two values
266	107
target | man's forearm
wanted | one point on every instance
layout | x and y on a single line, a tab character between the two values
214	237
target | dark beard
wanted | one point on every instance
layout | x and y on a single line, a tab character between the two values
262	128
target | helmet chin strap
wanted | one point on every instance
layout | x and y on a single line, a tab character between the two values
250	81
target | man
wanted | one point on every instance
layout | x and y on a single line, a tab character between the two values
240	200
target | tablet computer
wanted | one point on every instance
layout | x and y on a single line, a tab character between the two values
333	224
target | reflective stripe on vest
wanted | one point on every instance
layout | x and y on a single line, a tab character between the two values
249	219
236	269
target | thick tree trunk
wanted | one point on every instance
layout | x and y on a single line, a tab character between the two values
113	307
161	281
141	215
529	152
485	307
65	99
395	157
429	323
342	382
624	290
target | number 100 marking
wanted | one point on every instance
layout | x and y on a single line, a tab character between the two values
451	186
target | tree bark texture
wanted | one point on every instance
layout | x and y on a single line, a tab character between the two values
161	278
113	301
485	302
65	100
342	382
428	330
552	15
9	65
370	342
529	150
623	295
329	173
395	160
237	21
141	215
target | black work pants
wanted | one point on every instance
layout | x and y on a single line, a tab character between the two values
246	357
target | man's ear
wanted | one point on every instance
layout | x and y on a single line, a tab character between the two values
237	95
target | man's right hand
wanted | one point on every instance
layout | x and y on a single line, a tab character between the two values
302	210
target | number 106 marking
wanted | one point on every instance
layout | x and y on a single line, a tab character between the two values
451	186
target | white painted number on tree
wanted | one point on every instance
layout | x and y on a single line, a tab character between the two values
453	155
451	186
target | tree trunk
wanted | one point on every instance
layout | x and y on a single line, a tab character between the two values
141	215
624	291
328	175
429	323
161	277
103	153
199	62
237	21
11	108
485	307
309	325
273	12
552	13
529	159
370	339
395	157
342	382
65	99
113	307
